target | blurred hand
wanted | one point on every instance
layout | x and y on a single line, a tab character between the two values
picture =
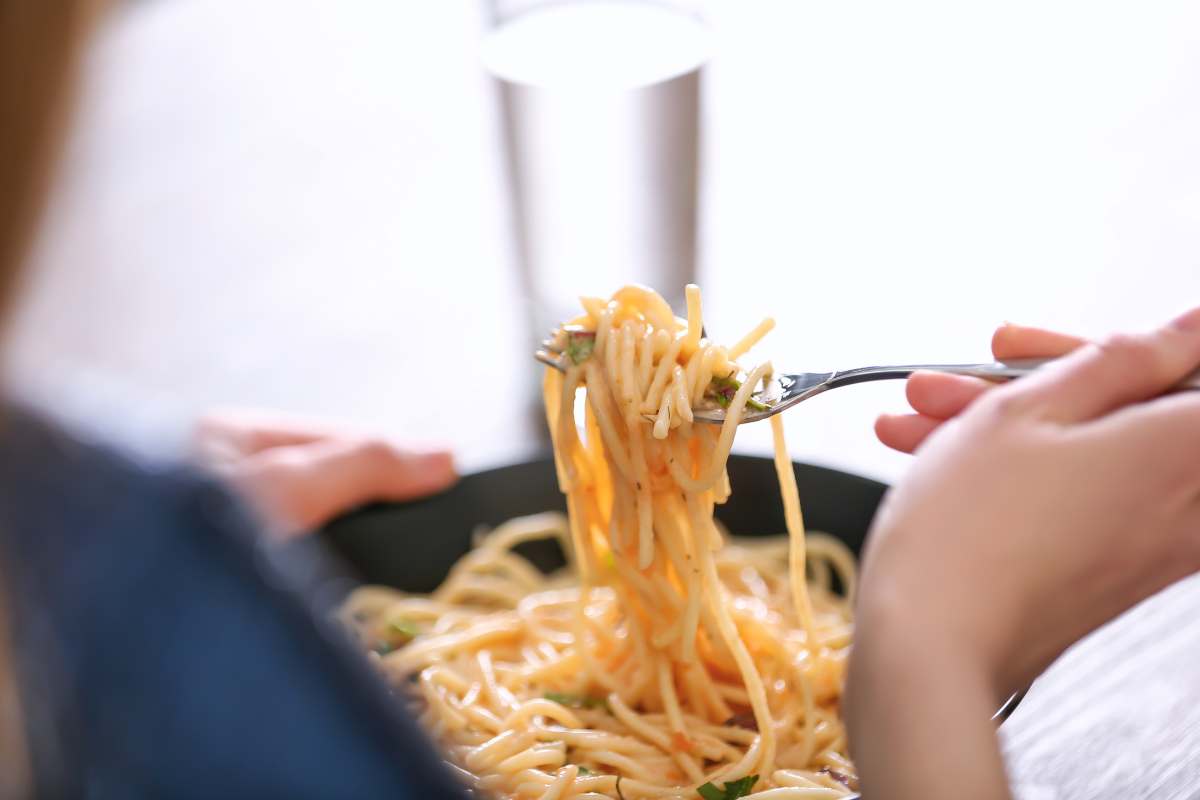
937	397
1040	510
300	474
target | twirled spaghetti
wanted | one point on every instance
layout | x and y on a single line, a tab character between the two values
662	662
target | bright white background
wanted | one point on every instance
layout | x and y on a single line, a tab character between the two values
299	204
286	203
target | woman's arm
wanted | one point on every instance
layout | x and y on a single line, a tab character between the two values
1010	540
920	715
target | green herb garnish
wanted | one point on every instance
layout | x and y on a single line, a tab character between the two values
404	627
580	345
732	790
576	700
722	390
584	770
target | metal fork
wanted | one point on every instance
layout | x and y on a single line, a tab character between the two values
785	391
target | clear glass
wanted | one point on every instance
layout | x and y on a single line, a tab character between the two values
601	117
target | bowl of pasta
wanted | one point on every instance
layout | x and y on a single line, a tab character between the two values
640	614
496	548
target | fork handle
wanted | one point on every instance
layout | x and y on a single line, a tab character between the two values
997	371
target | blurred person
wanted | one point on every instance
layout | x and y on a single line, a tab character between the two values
150	645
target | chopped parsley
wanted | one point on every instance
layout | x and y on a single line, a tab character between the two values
732	790
397	633
580	345
576	700
722	390
404	627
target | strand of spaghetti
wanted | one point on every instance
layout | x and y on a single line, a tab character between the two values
679	398
566	776
504	537
611	356
544	708
708	691
662	421
480	588
795	527
836	554
733	417
750	339
497	748
691	369
500	627
793	793
660	342
592	668
808	742
645	364
695	323
662	373
634	424
551	393
650	303
705	375
723	489
651	734
789	777
689	570
666	686
568	437
534	757
612	440
603	333
594	306
722	366
750	677
626	384
500	695
488	722
635	770
578	737
442	676
436	698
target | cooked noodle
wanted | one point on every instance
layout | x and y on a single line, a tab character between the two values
662	658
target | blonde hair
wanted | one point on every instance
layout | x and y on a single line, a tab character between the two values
40	43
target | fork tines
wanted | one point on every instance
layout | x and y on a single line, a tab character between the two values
551	354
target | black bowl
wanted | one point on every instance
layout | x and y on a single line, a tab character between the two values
413	545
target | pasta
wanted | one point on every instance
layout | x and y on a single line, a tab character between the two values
667	660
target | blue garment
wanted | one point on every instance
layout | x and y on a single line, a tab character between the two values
162	652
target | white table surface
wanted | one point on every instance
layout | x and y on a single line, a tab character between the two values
268	202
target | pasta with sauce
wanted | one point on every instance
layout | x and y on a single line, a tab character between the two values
667	660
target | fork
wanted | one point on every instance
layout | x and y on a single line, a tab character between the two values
784	391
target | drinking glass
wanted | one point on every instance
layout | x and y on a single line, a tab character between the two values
600	102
